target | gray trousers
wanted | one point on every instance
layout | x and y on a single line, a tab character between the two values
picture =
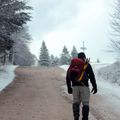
81	94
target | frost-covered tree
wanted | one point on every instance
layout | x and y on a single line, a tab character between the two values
20	54
98	60
115	40
26	58
52	58
74	52
13	16
65	56
54	61
44	59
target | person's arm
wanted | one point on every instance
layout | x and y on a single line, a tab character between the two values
68	82
92	78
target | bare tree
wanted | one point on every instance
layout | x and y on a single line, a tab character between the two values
115	24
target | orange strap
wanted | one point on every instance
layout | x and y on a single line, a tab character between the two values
84	68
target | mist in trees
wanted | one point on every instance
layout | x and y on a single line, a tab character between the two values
21	53
74	52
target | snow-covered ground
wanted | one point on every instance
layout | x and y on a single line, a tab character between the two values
110	73
108	90
6	75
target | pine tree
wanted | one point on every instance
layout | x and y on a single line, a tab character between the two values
98	61
74	52
54	61
65	56
44	59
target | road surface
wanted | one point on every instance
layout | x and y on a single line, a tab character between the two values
35	94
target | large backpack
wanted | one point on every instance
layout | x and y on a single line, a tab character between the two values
77	69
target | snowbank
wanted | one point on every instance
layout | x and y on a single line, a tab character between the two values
6	75
110	73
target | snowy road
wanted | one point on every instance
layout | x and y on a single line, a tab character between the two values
35	95
103	106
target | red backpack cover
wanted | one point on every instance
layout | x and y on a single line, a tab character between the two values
75	69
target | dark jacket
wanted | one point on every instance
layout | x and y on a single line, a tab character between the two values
89	74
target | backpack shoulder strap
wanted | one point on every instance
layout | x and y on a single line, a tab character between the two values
84	68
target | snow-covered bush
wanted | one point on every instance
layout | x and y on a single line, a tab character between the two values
110	73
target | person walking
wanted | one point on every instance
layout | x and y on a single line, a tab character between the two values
80	88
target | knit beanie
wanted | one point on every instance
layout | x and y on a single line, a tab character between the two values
81	55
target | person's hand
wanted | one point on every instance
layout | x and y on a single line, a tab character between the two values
70	90
94	90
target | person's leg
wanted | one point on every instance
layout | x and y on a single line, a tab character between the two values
85	112
85	96
76	102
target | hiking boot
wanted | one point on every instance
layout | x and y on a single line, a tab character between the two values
76	118
76	111
85	112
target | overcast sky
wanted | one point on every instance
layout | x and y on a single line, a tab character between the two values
70	22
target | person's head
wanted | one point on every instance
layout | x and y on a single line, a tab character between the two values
82	55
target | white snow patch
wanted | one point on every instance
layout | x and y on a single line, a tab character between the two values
6	75
65	67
